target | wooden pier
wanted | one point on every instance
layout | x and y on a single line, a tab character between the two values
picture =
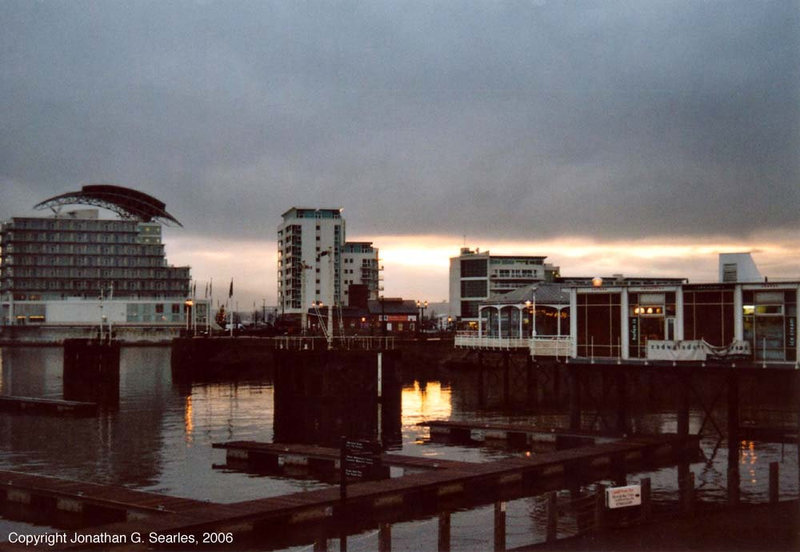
49	407
515	436
313	516
79	503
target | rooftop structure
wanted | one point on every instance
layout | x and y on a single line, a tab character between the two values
127	203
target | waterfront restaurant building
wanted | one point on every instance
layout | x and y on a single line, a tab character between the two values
74	273
629	320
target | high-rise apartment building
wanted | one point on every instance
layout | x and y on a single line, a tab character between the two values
309	258
315	263
476	276
360	267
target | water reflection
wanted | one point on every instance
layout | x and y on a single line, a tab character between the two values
426	400
160	436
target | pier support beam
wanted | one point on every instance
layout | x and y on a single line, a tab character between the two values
621	378
444	532
530	380
506	378
499	526
385	537
733	438
91	371
574	398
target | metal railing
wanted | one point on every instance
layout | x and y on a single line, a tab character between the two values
557	346
350	343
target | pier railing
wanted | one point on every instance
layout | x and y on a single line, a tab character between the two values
557	346
350	343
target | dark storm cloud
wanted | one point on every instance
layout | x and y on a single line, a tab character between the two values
496	119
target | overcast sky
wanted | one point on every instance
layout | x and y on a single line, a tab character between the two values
514	126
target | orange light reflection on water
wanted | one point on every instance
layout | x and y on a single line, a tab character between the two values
425	401
188	422
749	457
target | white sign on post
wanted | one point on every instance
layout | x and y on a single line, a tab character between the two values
623	497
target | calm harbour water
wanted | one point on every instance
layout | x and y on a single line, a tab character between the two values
160	440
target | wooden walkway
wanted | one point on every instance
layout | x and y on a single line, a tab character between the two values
274	455
65	495
308	516
52	407
515	434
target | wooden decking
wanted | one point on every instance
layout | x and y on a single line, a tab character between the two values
76	496
52	407
515	434
266	455
306	516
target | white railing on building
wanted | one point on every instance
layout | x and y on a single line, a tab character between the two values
557	346
483	342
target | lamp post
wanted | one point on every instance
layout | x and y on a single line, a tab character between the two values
188	303
421	306
532	306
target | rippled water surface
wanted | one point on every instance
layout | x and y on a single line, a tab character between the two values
160	439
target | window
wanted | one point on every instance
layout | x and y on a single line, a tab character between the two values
473	288
473	268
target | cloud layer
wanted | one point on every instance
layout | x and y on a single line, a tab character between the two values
498	119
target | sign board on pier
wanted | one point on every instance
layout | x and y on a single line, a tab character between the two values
623	497
361	458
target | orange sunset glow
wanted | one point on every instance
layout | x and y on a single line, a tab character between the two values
416	266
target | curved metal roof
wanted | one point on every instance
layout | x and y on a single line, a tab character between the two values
127	203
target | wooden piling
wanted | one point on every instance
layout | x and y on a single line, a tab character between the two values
506	378
530	380
683	404
574	398
622	402
499	526
551	530
444	532
647	505
733	438
385	537
600	507
774	485
688	495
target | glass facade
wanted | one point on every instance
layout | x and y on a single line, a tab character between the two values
599	325
708	314
770	323
651	316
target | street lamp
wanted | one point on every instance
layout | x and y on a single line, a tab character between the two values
532	306
421	306
188	303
